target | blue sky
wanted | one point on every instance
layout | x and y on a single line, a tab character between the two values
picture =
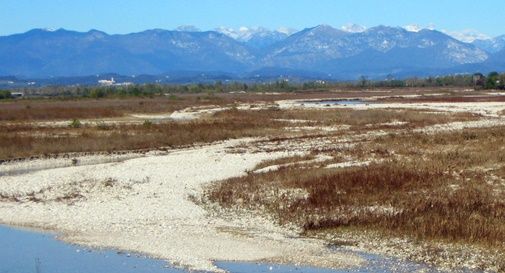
124	16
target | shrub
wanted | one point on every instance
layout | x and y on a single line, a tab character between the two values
147	123
97	93
4	94
75	123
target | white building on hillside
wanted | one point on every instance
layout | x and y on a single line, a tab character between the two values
107	82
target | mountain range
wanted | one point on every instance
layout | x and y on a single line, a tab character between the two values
318	52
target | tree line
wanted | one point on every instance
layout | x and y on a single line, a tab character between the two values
477	81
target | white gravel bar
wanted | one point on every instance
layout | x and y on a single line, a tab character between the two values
144	204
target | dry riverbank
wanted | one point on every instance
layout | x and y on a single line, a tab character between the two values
145	204
419	180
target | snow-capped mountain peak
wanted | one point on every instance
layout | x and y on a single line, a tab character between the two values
467	35
244	34
286	30
353	28
413	28
256	37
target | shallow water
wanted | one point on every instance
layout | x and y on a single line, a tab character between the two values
23	251
375	264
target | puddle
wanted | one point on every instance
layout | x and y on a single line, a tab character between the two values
25	251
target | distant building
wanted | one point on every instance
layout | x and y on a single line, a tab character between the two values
17	94
107	82
478	79
112	82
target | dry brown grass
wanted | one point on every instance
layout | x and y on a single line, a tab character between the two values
448	186
460	150
62	109
408	199
16	144
59	109
23	140
355	118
